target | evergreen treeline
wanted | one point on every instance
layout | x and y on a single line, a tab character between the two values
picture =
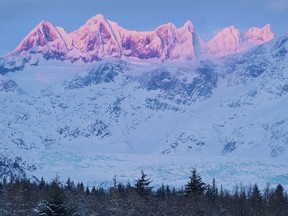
23	197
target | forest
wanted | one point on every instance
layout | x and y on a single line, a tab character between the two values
196	198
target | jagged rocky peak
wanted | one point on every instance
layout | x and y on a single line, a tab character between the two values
96	19
52	42
165	28
230	40
186	31
40	36
97	39
255	34
186	43
189	25
177	43
225	42
167	33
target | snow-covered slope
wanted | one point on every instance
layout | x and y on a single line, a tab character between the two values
227	117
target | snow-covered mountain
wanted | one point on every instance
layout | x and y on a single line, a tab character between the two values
230	41
226	116
99	38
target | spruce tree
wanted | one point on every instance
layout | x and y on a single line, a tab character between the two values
212	191
278	202
195	187
142	185
256	201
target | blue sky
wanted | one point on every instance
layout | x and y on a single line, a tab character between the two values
19	17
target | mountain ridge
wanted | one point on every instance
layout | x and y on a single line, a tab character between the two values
100	38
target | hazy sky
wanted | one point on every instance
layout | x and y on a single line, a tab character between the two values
19	17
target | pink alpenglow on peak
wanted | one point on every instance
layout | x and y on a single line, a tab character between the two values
230	41
177	43
167	35
39	37
96	19
99	38
186	38
259	34
225	42
96	39
188	25
47	40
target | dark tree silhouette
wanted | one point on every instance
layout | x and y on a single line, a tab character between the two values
142	185
195	186
256	201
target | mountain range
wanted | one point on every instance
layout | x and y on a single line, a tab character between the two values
99	38
104	101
